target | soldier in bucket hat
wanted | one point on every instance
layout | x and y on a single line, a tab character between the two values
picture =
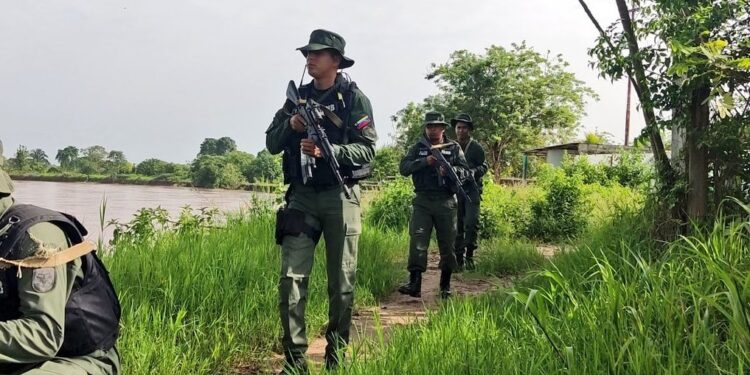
320	207
434	204
468	212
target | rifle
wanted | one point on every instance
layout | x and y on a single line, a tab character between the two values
313	114
455	183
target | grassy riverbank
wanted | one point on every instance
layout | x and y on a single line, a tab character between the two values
196	301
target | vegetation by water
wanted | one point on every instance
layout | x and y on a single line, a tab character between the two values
196	299
218	164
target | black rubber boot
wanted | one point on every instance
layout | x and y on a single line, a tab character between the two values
333	360
445	283
414	286
470	266
295	366
460	259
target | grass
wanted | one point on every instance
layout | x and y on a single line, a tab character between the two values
197	301
502	257
620	304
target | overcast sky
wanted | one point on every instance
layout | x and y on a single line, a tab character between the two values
153	78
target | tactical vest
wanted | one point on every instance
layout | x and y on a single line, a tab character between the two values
338	99
428	179
92	313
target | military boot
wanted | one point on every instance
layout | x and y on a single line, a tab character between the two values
414	286
333	359
470	266
445	283
460	258
296	366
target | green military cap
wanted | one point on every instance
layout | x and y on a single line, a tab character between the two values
6	184
323	39
463	117
434	117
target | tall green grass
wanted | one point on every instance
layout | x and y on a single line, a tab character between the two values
620	304
196	301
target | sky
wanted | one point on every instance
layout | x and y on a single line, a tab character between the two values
154	78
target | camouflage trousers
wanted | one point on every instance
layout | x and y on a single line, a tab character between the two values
338	219
432	210
468	223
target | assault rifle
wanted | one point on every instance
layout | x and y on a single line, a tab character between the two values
313	114
455	183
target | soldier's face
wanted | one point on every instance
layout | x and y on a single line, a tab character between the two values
321	63
462	130
435	132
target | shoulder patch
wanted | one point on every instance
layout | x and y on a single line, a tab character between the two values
43	279
363	122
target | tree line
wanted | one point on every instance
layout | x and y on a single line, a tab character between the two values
218	164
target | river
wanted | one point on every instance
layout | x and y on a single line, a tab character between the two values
84	200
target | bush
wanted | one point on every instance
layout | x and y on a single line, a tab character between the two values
505	212
630	170
265	167
561	213
588	173
391	208
386	162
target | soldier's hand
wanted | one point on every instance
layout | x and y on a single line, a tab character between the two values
297	123
309	147
431	160
441	171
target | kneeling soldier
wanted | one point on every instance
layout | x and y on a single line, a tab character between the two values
59	313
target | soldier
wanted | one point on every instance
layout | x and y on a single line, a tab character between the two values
434	205
320	206
468	212
59	313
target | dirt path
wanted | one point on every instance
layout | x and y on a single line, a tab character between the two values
398	310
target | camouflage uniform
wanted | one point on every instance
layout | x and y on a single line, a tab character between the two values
434	205
321	208
30	343
468	212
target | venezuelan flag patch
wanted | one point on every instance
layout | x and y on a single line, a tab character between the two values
363	122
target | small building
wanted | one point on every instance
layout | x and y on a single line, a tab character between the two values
595	153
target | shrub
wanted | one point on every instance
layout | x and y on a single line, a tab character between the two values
392	207
561	213
505	212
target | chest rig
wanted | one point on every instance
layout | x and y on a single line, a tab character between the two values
339	99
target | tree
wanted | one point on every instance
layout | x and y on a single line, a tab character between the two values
265	167
386	162
687	60
22	160
152	167
515	96
117	163
221	146
215	171
225	145
39	159
208	147
67	157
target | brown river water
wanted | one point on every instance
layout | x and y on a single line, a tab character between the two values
83	200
